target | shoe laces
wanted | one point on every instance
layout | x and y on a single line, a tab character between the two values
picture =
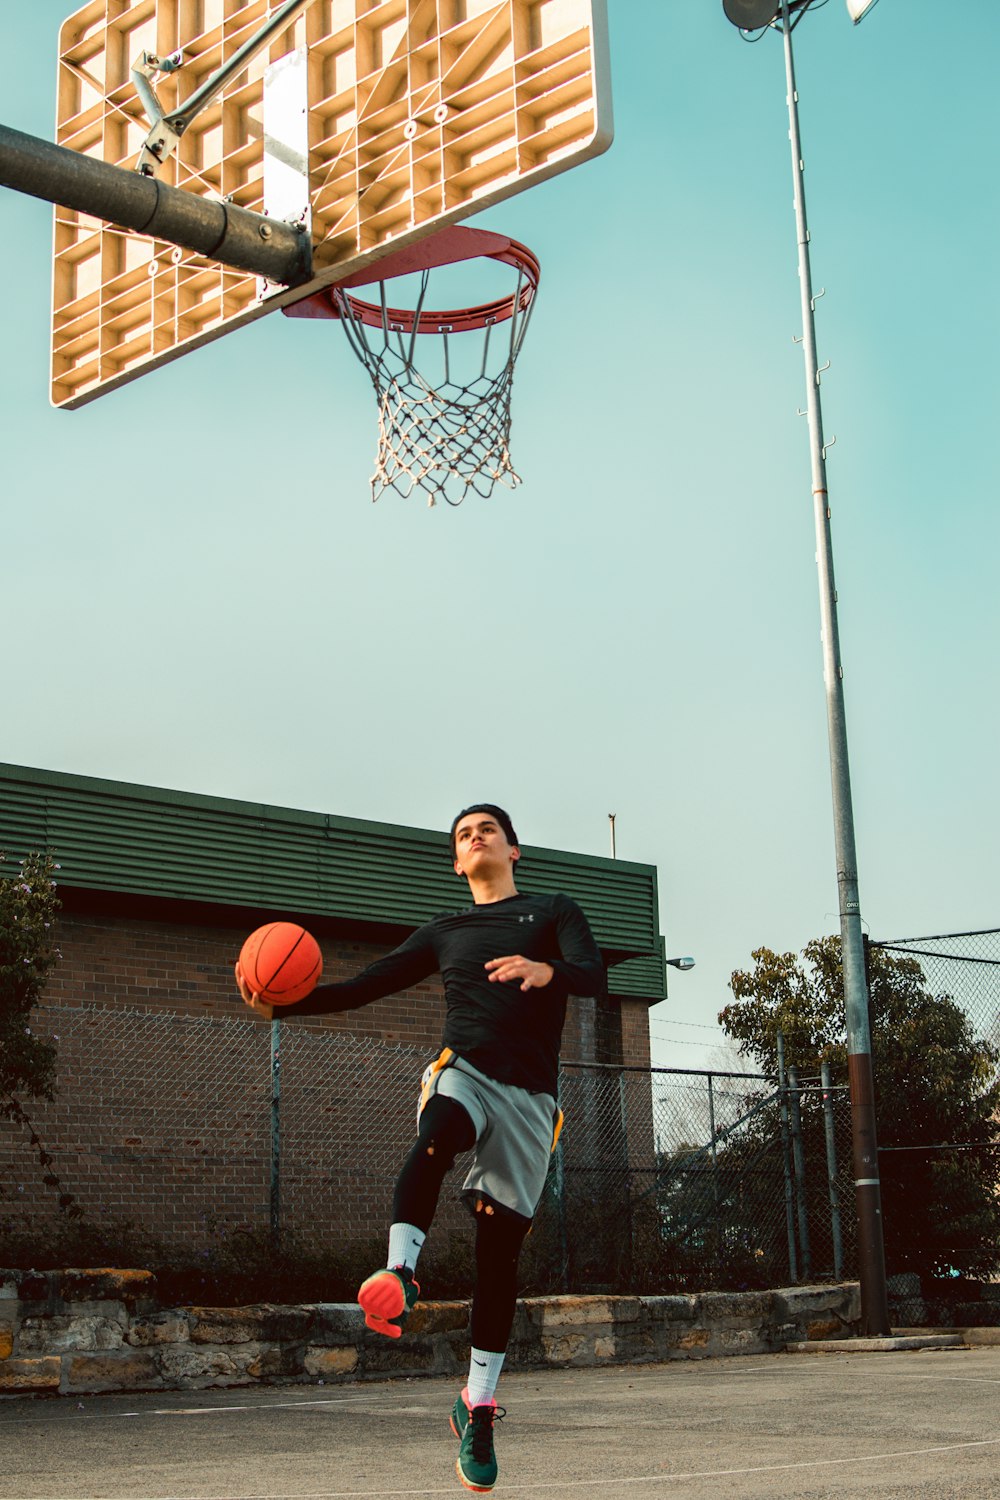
482	1419
411	1287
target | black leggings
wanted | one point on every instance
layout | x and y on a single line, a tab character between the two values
445	1131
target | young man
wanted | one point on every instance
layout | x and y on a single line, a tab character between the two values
508	962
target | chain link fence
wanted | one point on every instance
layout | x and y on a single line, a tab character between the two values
672	1180
190	1133
187	1129
964	968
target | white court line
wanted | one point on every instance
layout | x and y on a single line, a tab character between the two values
198	1411
186	1411
361	1399
965	1379
578	1484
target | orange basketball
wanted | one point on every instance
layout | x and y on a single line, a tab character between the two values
281	962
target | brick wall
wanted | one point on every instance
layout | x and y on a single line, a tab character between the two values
188	966
163	1113
635	1033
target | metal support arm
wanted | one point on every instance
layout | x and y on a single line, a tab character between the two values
223	232
167	130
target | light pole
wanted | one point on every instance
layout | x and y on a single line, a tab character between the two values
784	16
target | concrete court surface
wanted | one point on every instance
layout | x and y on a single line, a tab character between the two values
798	1427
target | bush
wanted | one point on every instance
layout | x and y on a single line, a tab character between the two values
236	1268
28	910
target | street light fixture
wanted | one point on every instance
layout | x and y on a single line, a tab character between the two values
684	964
784	17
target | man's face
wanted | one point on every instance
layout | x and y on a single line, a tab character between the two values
481	847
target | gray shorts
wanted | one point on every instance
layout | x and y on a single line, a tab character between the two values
515	1133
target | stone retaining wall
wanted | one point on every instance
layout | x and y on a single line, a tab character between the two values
70	1332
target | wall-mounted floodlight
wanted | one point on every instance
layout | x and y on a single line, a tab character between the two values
858	9
681	963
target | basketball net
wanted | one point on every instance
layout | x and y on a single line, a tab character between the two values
446	438
443	379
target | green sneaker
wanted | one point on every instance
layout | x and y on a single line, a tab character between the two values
387	1298
476	1465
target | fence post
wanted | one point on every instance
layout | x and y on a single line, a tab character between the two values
275	1132
831	1172
793	1271
715	1170
799	1161
561	1210
711	1127
626	1163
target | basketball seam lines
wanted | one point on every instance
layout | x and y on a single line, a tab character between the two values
268	984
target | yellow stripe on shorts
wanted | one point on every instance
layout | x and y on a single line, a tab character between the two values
429	1074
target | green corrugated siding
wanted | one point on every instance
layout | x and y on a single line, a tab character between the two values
139	840
641	978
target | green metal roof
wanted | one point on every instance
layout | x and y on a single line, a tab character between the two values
146	841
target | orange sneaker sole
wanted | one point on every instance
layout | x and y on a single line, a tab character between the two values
477	1489
382	1298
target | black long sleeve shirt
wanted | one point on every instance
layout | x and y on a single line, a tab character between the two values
508	1034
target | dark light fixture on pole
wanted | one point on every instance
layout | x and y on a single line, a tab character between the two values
752	15
784	16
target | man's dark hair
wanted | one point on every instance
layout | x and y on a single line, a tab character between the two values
497	813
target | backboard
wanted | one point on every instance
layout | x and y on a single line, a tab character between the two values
374	123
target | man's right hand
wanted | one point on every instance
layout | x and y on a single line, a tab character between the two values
254	1001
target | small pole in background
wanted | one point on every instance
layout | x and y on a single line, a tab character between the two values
831	1172
715	1171
626	1160
275	1132
799	1162
793	1269
611	820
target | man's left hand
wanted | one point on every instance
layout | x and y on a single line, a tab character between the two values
533	976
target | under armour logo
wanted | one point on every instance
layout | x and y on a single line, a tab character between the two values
526	919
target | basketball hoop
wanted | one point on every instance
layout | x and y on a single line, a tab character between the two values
445	429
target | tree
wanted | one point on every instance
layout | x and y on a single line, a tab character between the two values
936	1086
28	909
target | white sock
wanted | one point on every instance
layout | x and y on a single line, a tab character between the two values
405	1244
484	1372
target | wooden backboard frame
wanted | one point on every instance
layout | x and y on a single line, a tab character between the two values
412	115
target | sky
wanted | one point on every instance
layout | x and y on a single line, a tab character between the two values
199	593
